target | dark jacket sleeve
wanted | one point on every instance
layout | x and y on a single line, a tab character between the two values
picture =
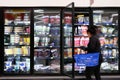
93	45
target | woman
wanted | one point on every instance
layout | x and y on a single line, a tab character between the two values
92	47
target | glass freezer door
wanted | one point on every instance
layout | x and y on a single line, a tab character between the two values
46	41
17	41
107	23
68	40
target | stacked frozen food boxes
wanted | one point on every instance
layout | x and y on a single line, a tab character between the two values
17	41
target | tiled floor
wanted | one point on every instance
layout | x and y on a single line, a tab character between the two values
59	79
55	78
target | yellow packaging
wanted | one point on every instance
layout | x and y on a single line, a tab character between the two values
8	51
70	52
15	51
28	40
25	40
25	50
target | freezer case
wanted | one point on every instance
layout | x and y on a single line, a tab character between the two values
17	41
46	41
107	25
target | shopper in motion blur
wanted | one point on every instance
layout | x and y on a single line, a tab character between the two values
92	47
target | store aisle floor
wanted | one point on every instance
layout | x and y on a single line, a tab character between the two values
109	77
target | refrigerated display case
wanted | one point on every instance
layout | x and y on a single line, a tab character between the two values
16	41
107	25
56	37
47	41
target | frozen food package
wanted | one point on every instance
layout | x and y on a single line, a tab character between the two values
68	41
105	66
52	19
105	53
43	53
97	18
45	19
111	42
68	20
110	30
86	20
27	30
102	41
12	38
24	50
9	51
55	31
115	32
77	41
17	38
8	29
114	53
86	41
115	41
47	31
69	53
36	41
57	19
107	41
7	39
65	53
77	51
67	30
18	29
105	19
8	64
17	51
26	17
84	30
110	53
27	64
80	19
82	41
55	53
22	65
79	30
104	30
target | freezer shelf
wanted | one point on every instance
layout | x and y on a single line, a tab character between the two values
17	64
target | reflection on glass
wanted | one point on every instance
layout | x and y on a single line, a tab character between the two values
67	41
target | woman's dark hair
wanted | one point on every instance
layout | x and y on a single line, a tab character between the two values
92	30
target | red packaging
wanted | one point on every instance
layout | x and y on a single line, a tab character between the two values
77	41
68	20
86	41
84	30
52	19
45	19
82	41
57	19
28	30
